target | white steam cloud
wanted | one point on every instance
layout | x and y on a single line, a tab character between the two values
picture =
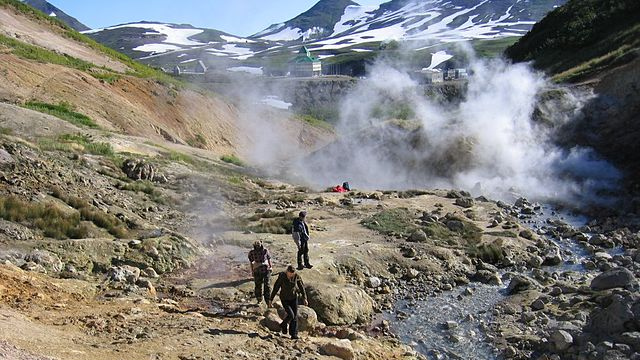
488	143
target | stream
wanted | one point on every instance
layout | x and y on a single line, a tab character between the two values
451	324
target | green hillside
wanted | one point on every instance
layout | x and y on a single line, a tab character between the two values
582	38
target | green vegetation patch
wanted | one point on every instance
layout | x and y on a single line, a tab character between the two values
397	221
487	252
316	122
76	143
275	225
62	111
88	212
232	159
106	77
53	222
31	52
6	131
146	187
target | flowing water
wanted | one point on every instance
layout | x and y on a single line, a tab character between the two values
423	324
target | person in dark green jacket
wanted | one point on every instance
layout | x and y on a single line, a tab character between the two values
290	285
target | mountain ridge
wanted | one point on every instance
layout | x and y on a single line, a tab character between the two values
51	10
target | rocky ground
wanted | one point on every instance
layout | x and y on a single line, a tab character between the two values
140	253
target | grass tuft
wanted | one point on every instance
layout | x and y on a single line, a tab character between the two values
53	222
232	159
62	111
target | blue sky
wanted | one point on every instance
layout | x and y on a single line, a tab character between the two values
238	17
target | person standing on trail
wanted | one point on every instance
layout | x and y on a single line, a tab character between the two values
300	233
261	270
290	286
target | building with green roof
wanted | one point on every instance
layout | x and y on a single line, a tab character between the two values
305	65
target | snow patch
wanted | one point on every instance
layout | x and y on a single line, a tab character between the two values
287	34
53	14
275	102
438	58
156	48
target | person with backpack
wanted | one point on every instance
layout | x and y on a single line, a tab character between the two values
290	286
300	233
261	270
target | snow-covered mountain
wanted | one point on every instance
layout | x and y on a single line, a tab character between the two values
430	20
53	11
150	39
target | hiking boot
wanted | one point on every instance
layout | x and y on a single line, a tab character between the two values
294	337
300	267
308	266
283	327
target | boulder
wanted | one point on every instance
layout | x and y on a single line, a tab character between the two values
50	261
374	282
411	274
307	318
340	304
339	348
614	278
464	202
519	283
418	236
137	169
613	318
487	277
125	273
271	321
561	340
527	234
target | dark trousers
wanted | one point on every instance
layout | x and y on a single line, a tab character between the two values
263	289
303	252
291	307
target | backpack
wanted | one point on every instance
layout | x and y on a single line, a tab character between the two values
296	236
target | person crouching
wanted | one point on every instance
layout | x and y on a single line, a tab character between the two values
290	286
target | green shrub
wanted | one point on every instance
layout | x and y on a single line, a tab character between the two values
62	111
232	159
106	77
6	131
53	222
198	141
90	213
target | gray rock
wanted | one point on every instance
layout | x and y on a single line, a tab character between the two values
631	338
487	277
33	267
450	325
527	234
537	305
464	202
612	319
561	340
374	282
412	274
46	259
418	236
614	278
535	261
150	273
519	283
455	225
127	274
137	169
